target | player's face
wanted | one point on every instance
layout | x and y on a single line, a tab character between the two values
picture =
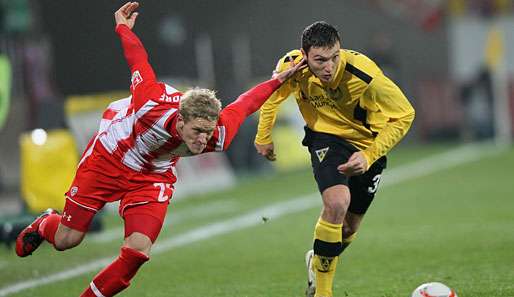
323	61
196	133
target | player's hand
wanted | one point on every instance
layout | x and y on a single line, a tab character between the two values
357	164
284	75
266	150
127	15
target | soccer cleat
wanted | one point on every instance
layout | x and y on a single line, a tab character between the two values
311	276
29	239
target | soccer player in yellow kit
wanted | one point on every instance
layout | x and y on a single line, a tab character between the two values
354	115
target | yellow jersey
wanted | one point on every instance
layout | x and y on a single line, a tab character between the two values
360	104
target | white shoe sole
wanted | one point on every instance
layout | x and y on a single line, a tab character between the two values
311	276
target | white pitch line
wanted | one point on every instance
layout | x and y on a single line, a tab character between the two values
251	219
173	217
440	162
248	220
452	158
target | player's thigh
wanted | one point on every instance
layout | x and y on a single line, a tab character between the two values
87	195
143	224
144	212
336	197
364	187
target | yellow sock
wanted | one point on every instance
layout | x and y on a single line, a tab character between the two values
324	278
327	247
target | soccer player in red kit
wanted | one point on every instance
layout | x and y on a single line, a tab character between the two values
132	159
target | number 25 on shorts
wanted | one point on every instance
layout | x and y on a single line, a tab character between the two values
165	191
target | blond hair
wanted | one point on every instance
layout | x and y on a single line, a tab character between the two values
199	103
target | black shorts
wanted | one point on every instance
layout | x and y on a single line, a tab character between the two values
329	151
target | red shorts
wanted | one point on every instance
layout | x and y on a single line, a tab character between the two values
99	180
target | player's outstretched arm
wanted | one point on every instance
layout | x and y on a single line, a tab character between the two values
249	102
263	143
142	74
133	49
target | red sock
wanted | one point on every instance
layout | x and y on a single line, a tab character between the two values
48	227
116	277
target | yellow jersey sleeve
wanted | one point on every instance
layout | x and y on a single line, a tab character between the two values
268	111
392	103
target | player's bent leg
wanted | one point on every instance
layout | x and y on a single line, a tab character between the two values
75	221
141	231
116	277
336	200
328	238
327	247
48	226
351	225
139	242
67	238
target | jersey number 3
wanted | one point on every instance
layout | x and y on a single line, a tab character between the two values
376	180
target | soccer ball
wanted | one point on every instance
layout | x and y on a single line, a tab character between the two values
433	290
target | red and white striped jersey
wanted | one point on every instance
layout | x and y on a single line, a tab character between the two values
140	131
145	139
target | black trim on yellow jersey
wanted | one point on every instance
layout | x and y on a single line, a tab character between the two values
361	114
302	95
289	58
359	73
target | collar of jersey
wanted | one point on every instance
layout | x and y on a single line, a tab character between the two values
173	128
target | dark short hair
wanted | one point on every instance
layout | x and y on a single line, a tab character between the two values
319	34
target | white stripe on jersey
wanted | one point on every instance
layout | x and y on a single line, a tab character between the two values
161	163
89	151
170	90
136	137
121	104
120	126
120	107
151	140
221	139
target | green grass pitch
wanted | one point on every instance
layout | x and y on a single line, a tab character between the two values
454	225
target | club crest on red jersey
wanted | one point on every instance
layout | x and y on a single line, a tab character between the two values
136	78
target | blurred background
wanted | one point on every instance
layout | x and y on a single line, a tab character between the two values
446	197
61	63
